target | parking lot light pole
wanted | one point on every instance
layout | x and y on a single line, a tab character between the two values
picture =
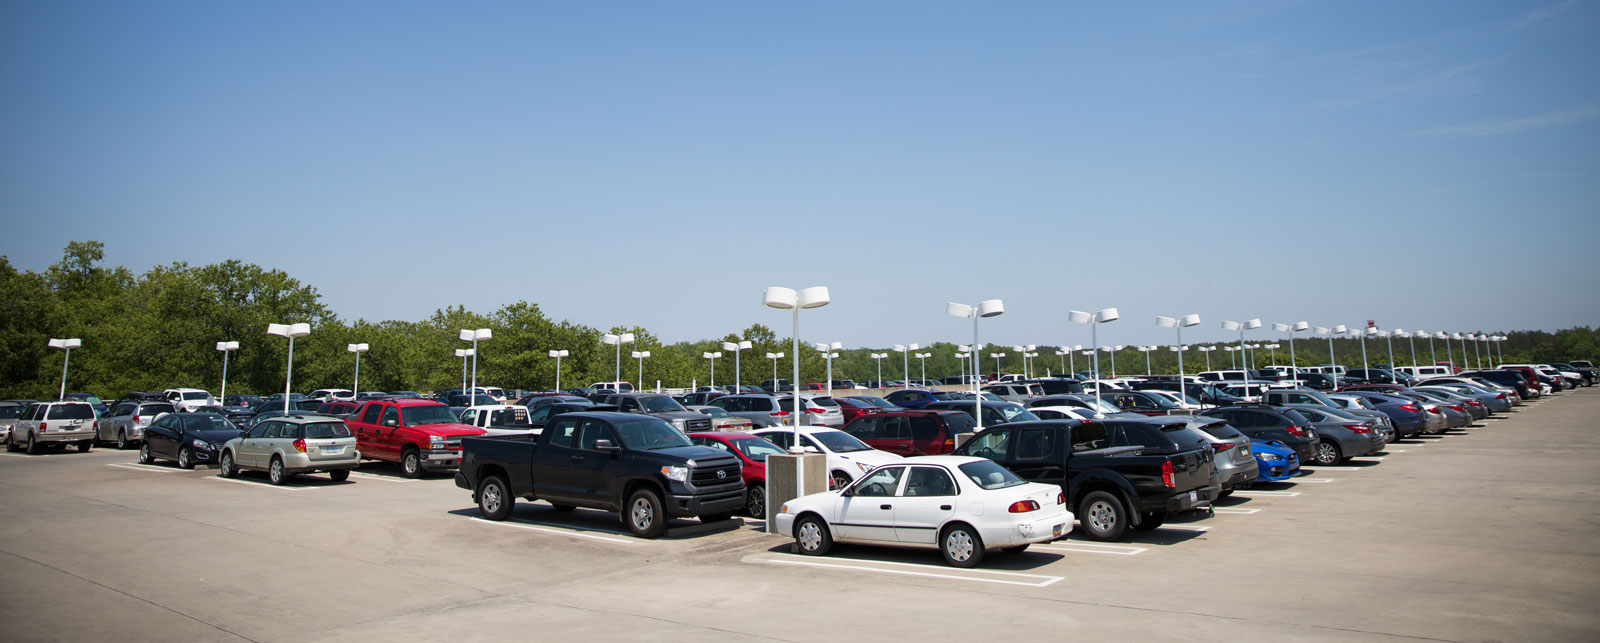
905	360
1433	356
640	355
612	340
1146	350
1412	338
475	336
961	360
1388	336
1233	355
1094	320
1332	362
1242	327
1450	355
1178	324
225	347
358	349
464	353
923	357
736	347
775	357
829	355
879	358
1291	329
558	355
997	357
1206	350
1274	349
1500	349
712	358
291	331
66	345
788	299
986	308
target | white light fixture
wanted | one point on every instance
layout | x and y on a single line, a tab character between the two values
1178	324
225	347
66	345
790	300
1291	329
712	358
985	308
1206	350
905	361
640	355
1242	327
290	331
558	355
1146	350
922	357
736	347
829	355
997	357
358	349
465	354
776	389
879	358
1094	320
475	336
617	340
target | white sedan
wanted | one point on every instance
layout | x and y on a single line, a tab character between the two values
848	457
962	506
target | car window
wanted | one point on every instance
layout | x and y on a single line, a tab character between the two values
261	430
864	428
1090	436
881	483
208	423
783	439
929	481
391	414
540	414
469	416
287	431
562	431
325	430
993	444
592	432
924	429
71	412
1221	431
894	428
1035	444
989	475
708	442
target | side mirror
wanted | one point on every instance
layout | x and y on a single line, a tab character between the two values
810	450
606	446
391	423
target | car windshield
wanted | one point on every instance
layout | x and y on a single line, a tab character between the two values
10	412
825	402
990	476
1163	401
1100	405
428	414
326	430
756	448
716	412
651	435
1015	413
839	441
71	412
662	404
1221	430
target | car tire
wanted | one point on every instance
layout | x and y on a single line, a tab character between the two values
1328	453
122	439
1151	520
840	479
755	501
644	514
494	498
1015	550
961	545
711	518
145	457
339	475
1102	516
32	448
185	458
227	468
83	447
411	464
276	474
11	447
811	536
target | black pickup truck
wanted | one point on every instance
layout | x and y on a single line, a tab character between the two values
636	465
1110	487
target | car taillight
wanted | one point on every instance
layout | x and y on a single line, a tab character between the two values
1500	396
950	443
1474	403
815	409
300	445
1295	430
1223	446
1457	408
1409	408
43	426
1061	498
1435	410
1358	428
97	425
1023	506
1166	475
781	414
135	419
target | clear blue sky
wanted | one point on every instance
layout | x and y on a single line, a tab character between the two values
658	164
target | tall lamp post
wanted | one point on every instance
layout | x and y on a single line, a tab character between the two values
922	357
1146	350
1233	355
791	300
1206	350
66	345
225	347
558	355
1450	356
997	357
617	341
358	349
1333	364
1388	336
1178	324
712	358
905	360
736	347
290	331
640	355
465	354
829	355
776	388
1411	337
878	357
1274	349
1094	320
1242	327
1291	329
986	308
475	336
961	361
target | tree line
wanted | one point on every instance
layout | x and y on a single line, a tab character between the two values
159	329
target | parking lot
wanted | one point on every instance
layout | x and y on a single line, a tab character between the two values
1485	534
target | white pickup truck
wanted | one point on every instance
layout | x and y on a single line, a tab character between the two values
499	419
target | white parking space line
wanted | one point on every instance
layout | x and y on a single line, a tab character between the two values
1184	528
1251	492
1395	450
559	532
1316	480
263	485
1093	548
976	575
144	467
383	478
16	455
1233	510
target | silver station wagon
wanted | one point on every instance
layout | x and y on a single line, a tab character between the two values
289	445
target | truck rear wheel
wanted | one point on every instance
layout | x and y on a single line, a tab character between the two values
643	514
1102	516
494	498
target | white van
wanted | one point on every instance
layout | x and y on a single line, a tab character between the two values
188	399
1424	372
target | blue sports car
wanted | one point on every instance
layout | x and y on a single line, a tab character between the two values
1276	461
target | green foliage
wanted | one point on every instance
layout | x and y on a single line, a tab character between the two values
159	329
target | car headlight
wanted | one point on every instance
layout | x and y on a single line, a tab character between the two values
436	442
678	474
783	509
201	444
1269	456
678	423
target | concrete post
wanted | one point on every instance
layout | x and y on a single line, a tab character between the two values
781	474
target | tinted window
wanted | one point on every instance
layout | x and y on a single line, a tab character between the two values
929	481
989	475
864	428
261	430
924	429
648	434
992	444
894	428
71	412
1222	431
1089	436
1295	416
1035	444
208	423
324	430
562	431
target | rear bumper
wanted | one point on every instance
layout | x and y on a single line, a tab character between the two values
1180	501
64	436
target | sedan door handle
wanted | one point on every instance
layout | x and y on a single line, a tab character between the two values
577	458
885	506
944	507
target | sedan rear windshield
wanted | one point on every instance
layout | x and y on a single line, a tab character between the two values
425	415
154	409
988	475
1222	431
325	430
1015	413
1181	434
71	412
659	404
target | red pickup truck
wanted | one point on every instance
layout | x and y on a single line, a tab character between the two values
419	434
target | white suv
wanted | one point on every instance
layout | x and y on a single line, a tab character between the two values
186	400
65	422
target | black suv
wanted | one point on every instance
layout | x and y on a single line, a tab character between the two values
1277	424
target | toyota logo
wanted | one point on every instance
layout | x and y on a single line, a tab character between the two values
722	474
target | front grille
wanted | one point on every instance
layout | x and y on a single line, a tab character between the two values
698	425
707	476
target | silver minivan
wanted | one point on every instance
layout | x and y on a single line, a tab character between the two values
285	446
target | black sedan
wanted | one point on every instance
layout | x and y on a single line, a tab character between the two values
188	438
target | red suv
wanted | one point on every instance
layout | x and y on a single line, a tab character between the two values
911	432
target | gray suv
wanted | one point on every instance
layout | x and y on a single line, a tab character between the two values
660	406
762	410
127	421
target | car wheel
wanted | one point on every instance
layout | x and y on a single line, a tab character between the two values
185	459
644	515
122	439
840	479
494	498
1328	453
755	501
812	537
228	470
276	473
11	446
145	457
339	475
1015	550
1102	516
1151	520
32	447
961	546
411	464
83	447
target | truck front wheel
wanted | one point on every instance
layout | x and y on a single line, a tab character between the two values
494	498
643	514
411	463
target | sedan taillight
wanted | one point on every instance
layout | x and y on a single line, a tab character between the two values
1295	430
1023	506
1358	428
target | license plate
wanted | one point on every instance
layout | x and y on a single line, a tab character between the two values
1194	495
331	450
